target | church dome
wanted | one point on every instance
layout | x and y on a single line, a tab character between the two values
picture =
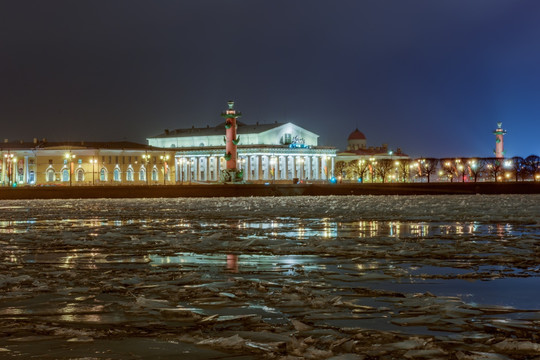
357	135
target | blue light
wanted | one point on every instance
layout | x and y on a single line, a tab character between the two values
333	180
359	179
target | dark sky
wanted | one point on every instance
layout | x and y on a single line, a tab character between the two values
431	77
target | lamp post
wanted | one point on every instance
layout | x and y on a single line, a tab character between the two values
69	158
93	162
9	161
146	159
164	159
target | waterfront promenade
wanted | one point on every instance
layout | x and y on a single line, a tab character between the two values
236	190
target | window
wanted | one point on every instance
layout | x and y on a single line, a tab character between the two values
287	139
116	174
50	175
103	159
129	159
50	161
136	158
103	174
142	174
65	175
154	175
116	159
80	175
129	174
110	159
31	177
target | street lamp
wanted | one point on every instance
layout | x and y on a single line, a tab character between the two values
146	159
164	159
69	158
93	162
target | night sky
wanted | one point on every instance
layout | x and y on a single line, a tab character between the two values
431	77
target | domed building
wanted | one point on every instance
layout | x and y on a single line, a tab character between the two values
357	140
370	157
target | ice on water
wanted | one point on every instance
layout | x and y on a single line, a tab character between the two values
279	277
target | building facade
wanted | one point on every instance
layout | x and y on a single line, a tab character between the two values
266	152
85	164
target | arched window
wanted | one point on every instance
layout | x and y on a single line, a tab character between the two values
154	175
50	175
103	175
65	175
116	174
129	174
80	175
142	174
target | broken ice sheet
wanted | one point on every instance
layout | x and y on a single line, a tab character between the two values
377	275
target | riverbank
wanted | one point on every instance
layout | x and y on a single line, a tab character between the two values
237	190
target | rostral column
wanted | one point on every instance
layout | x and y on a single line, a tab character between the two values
499	141
231	140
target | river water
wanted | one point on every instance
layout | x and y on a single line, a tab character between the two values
283	277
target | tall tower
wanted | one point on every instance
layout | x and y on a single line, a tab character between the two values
231	140
499	144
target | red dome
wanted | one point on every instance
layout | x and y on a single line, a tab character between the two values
357	135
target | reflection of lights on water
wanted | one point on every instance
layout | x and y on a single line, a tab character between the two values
329	228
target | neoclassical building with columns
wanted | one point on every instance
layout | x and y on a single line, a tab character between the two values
277	152
44	163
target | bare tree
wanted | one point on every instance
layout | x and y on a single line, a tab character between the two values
362	166
427	167
494	167
404	169
476	167
448	168
383	168
339	168
519	168
532	164
462	168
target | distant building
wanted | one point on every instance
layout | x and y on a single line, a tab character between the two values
277	152
84	163
357	150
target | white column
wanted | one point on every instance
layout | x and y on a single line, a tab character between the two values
258	171
246	169
266	171
207	164
25	170
333	166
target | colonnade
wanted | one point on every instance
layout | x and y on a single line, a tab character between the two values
258	167
16	170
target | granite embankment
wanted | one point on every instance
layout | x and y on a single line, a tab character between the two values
231	190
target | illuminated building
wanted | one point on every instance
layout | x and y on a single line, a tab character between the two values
278	152
357	150
84	164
